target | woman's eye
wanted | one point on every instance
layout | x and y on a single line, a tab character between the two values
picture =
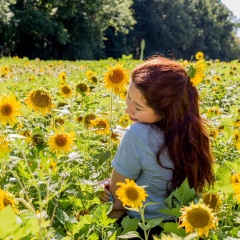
137	109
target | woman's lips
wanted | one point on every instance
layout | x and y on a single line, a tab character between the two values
133	119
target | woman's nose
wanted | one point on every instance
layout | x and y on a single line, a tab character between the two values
129	108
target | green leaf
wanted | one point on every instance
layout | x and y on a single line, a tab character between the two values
8	222
234	166
100	215
62	216
173	211
129	224
155	222
170	227
180	196
223	175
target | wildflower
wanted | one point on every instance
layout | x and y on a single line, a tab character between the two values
88	118
7	199
197	217
79	119
82	87
90	73
39	100
216	78
124	121
116	77
214	111
62	77
131	194
61	141
212	200
65	90
199	55
195	72
235	182
213	132
9	109
100	125
5	70
4	147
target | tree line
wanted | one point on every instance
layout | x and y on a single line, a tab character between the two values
98	29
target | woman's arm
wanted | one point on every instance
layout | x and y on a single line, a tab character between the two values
118	209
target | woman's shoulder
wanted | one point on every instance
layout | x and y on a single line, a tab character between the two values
146	132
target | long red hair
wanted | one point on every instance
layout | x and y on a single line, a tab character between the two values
168	91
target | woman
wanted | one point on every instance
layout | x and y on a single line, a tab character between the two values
167	142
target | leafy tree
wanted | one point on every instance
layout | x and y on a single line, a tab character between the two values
65	29
180	28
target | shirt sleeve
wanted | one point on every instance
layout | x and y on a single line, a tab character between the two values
127	160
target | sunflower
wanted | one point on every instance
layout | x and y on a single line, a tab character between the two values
79	119
40	101
61	141
90	73
9	109
197	217
235	182
100	126
88	118
7	199
62	77
199	55
5	70
131	194
236	136
195	72
214	111
213	132
124	121
37	139
4	148
116	77
237	122
216	78
82	87
65	90
212	200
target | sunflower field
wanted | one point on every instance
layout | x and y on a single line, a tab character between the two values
61	123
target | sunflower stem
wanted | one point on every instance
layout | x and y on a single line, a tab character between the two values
110	120
53	118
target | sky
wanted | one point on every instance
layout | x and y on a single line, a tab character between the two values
233	5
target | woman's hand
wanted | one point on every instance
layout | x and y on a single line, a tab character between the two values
106	195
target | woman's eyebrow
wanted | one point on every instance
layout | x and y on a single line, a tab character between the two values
139	105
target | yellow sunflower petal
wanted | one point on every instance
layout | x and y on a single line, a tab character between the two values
9	109
131	194
7	199
116	77
61	141
40	101
197	217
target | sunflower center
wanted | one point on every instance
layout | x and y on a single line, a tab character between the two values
6	109
198	218
40	99
81	87
6	201
61	140
131	193
116	77
101	124
65	89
